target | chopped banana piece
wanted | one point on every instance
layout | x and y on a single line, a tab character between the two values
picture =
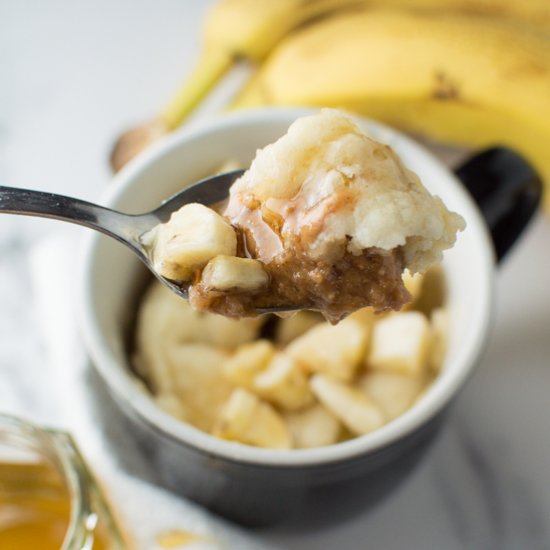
394	393
337	350
434	291
237	414
400	343
313	427
166	321
198	382
171	404
413	283
440	335
193	236
290	328
353	407
247	361
229	272
247	419
284	383
366	316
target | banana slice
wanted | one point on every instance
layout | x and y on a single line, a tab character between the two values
284	383
247	419
171	404
356	411
400	343
165	322
194	235
439	320
394	393
247	361
337	350
290	328
367	316
229	272
413	283
198	383
313	427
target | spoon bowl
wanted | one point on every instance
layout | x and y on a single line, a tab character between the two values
125	228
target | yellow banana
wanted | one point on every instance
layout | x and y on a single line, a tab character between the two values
241	29
464	80
250	29
535	12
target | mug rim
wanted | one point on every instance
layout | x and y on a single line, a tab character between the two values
120	380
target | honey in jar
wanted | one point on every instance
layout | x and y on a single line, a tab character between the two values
49	500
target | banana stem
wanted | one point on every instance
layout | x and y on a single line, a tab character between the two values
210	67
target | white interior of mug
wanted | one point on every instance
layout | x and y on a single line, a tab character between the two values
109	273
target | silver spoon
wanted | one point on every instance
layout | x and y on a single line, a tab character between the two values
125	228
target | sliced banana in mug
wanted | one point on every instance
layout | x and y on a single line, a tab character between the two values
354	408
413	283
198	382
247	419
439	321
171	404
315	426
292	327
400	343
393	392
284	383
248	361
333	349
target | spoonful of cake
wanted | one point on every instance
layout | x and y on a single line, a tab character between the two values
325	218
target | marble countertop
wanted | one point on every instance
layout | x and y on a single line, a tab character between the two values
73	75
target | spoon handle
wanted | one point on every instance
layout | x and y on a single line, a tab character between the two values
123	227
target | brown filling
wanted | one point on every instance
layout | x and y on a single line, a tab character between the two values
336	289
335	286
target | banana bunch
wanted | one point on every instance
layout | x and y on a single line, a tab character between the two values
464	80
465	72
237	30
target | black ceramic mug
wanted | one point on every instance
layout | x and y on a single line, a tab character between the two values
259	486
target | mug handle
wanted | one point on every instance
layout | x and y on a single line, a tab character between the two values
507	190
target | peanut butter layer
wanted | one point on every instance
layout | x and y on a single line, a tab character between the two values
372	278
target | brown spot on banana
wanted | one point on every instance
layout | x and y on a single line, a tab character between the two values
445	87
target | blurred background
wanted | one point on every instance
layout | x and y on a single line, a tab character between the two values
74	76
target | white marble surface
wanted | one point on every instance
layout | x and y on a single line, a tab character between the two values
72	75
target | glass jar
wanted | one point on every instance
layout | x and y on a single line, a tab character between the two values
49	499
